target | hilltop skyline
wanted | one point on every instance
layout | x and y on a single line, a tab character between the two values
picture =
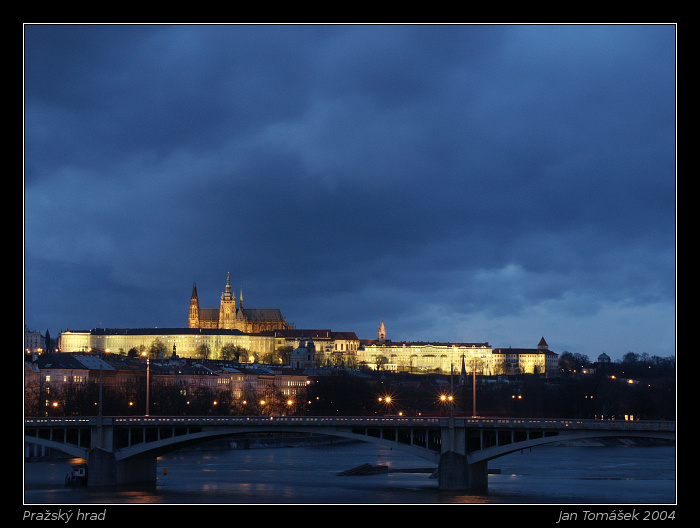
473	183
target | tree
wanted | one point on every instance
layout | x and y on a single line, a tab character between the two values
203	351
231	352
284	353
573	362
157	349
380	361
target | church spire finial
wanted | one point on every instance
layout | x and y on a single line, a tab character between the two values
226	295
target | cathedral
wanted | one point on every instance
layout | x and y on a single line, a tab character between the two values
231	317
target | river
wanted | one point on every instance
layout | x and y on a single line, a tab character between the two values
309	475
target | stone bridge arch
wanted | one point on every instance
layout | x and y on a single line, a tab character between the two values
489	453
69	449
163	446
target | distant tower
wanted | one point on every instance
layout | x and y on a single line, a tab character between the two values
381	332
227	312
542	345
304	356
194	309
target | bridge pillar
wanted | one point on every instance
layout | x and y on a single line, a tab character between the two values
105	470
102	468
455	473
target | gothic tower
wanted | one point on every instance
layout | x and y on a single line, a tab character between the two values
194	308
227	312
381	332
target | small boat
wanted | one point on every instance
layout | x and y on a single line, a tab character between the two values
77	475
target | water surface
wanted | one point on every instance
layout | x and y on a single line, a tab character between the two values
309	475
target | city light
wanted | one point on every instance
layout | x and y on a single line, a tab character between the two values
387	402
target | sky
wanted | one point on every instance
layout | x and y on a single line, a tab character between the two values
462	183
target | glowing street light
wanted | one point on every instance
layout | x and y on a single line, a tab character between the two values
385	401
148	384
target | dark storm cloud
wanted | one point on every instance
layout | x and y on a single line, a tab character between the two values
474	183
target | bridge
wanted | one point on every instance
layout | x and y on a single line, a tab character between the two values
124	450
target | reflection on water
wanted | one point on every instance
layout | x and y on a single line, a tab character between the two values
545	475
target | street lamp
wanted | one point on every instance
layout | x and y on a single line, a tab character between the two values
385	402
148	385
99	398
474	385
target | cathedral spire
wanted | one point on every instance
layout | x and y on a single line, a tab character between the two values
193	320
227	309
227	295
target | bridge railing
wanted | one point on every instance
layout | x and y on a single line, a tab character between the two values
62	421
536	423
356	421
335	421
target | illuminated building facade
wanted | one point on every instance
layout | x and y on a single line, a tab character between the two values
186	340
33	341
526	360
421	357
424	358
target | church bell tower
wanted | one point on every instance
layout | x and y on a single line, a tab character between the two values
381	332
193	321
227	311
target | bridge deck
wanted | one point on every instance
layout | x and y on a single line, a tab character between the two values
340	421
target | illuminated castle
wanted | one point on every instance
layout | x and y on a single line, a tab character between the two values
231	317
